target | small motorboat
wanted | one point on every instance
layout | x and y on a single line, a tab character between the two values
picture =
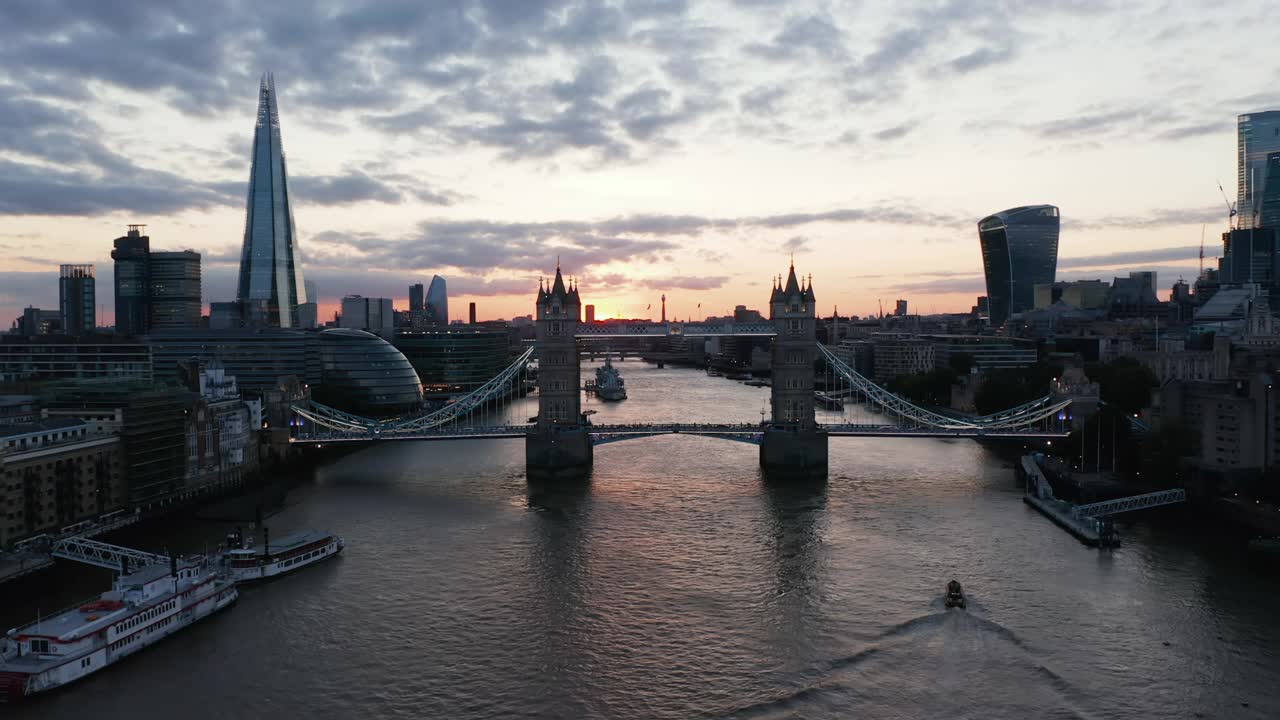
955	596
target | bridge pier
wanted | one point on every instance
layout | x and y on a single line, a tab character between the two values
563	455
791	452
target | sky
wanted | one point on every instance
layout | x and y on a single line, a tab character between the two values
686	148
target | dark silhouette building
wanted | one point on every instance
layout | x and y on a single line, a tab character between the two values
77	299
154	290
1019	251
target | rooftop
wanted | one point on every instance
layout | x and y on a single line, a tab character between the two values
39	427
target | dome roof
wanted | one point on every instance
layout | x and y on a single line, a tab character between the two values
366	375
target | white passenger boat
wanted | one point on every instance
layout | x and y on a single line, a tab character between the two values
142	608
246	563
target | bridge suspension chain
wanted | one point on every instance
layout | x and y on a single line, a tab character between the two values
873	394
501	388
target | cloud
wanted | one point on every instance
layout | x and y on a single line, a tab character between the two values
1132	257
1155	219
685	283
980	58
796	244
485	246
353	187
897	132
804	37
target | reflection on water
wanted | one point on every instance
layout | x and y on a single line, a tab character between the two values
676	583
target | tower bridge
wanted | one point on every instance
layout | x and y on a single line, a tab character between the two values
560	439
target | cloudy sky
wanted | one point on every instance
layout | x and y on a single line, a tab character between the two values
654	146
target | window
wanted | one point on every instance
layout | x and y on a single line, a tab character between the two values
39	646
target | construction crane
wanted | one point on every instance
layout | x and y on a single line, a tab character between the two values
1231	207
1201	251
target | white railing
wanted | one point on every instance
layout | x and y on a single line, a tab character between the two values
1135	502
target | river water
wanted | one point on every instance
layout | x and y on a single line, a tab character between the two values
678	584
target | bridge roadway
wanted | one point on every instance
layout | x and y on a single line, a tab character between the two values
742	432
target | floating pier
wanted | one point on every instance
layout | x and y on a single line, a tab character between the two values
1039	495
1090	523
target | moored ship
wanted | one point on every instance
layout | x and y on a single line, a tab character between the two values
609	384
142	608
245	562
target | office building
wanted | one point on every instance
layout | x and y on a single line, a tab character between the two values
221	428
77	299
55	473
154	290
900	309
373	315
349	369
590	310
471	313
150	420
35	321
18	409
132	255
225	316
175	290
364	374
742	315
437	308
309	311
901	355
271	284
1257	139
62	357
455	362
1019	251
1082	294
257	357
417	302
985	352
1250	255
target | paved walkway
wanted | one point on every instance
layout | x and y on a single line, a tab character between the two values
15	565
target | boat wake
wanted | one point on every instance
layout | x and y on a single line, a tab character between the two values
935	663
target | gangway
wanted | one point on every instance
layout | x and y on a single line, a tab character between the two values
102	554
1135	502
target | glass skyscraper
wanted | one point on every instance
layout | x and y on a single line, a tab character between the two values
437	302
271	285
1019	251
1257	137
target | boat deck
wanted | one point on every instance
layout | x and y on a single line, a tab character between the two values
293	540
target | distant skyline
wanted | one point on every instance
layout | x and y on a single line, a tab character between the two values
654	146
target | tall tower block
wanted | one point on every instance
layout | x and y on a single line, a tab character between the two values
793	445
271	285
558	446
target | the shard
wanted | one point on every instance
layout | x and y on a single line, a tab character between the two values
271	285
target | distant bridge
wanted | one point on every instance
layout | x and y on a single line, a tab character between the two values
605	434
591	331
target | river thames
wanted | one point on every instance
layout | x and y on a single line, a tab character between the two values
678	584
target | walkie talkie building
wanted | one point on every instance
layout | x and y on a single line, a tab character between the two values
1019	251
271	285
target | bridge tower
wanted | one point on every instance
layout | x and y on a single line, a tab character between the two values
558	446
793	445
